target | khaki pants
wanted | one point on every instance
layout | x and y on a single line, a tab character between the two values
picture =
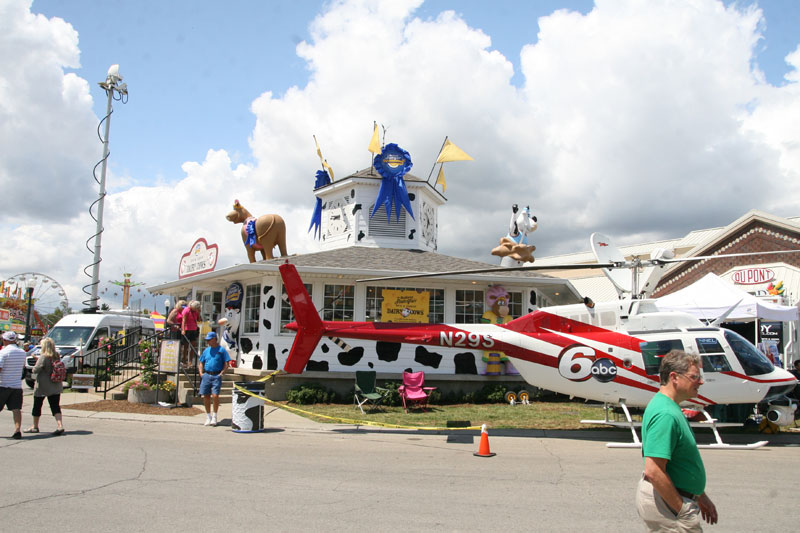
657	515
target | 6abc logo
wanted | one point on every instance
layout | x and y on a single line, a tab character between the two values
579	363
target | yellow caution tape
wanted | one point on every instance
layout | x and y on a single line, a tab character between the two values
351	421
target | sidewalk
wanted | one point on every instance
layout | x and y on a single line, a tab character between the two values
273	416
276	418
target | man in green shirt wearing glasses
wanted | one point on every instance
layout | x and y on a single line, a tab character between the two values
671	494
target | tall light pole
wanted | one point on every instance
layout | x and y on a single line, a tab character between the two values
28	311
111	86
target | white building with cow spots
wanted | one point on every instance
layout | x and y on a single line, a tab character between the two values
355	246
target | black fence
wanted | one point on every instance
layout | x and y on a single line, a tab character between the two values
121	359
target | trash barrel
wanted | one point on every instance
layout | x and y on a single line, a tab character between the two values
248	411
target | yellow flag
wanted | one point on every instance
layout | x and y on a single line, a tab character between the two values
451	152
325	164
440	179
375	142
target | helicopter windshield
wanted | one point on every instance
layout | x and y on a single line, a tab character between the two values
753	361
67	336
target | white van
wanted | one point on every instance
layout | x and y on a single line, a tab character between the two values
78	334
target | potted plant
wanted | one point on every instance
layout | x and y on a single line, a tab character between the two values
139	392
165	391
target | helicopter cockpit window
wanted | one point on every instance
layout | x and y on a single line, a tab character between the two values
653	351
753	361
712	355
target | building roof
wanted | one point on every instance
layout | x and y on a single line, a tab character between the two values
365	262
593	283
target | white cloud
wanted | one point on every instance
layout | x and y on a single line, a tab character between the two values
636	119
46	121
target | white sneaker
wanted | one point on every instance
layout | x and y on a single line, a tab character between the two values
208	422
214	420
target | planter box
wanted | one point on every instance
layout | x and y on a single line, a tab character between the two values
141	396
165	396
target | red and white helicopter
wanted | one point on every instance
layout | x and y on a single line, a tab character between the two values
608	352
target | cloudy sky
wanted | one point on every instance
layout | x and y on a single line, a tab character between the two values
640	119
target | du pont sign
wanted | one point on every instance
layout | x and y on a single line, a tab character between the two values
752	276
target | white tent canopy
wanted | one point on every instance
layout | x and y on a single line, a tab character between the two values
711	296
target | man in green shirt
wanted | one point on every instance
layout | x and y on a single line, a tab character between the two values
671	494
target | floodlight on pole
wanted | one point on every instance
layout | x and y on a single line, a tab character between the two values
114	91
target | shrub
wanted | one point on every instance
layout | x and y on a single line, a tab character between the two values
147	357
392	398
494	393
435	397
165	386
310	393
135	385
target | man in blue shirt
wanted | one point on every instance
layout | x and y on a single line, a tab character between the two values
212	364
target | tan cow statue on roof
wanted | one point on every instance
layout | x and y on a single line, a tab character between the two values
259	233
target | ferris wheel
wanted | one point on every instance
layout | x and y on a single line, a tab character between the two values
48	294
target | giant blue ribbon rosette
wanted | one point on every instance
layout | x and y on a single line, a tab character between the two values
392	164
250	229
316	217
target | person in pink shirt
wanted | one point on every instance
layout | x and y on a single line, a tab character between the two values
190	331
174	320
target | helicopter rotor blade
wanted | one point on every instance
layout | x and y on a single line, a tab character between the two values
637	263
495	270
704	257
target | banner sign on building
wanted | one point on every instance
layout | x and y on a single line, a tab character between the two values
405	306
752	276
770	339
201	258
234	296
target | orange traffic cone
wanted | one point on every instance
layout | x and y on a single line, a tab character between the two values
483	448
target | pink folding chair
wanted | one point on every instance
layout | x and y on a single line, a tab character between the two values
412	391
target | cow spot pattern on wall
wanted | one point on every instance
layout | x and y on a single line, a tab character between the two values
325	348
387	351
426	358
351	357
246	344
267	288
465	363
272	359
267	324
271	302
258	363
316	366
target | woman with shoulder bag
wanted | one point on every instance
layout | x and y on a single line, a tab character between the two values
190	329
46	387
174	320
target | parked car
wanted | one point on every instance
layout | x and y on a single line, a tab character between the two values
76	337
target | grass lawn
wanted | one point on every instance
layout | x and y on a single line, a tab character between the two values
537	415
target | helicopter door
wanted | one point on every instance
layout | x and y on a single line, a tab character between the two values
714	361
653	351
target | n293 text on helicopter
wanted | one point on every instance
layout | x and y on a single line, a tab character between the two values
608	352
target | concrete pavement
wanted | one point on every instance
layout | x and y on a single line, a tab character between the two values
123	472
273	417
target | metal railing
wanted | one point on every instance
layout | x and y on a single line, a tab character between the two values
118	360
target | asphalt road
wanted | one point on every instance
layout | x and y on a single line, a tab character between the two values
168	474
